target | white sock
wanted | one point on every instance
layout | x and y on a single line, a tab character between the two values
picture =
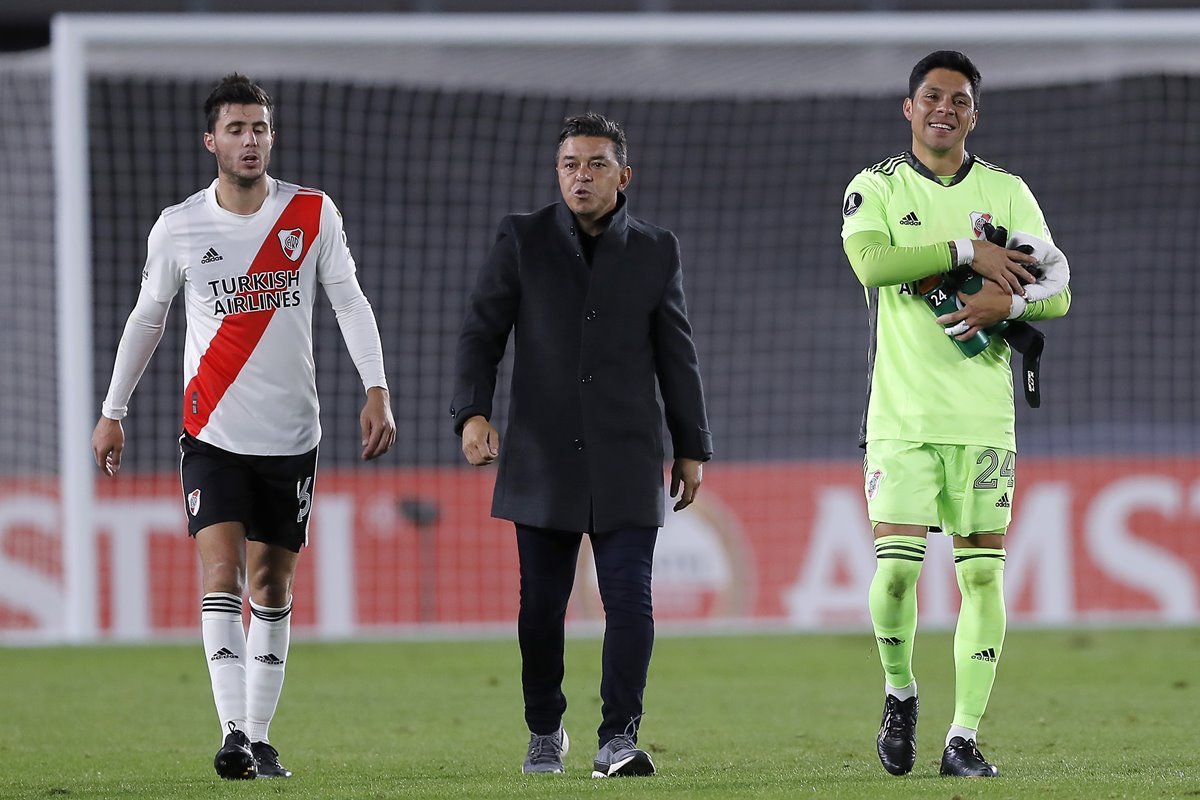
267	643
959	730
225	651
901	694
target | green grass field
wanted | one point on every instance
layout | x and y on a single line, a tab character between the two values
1093	714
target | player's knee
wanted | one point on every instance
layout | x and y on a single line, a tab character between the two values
272	591
897	578
981	580
898	588
224	576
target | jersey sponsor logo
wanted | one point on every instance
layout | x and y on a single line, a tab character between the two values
194	502
292	242
853	203
910	219
303	498
211	256
258	291
873	481
978	220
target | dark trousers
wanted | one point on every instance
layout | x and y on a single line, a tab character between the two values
624	561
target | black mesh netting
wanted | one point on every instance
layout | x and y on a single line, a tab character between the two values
753	190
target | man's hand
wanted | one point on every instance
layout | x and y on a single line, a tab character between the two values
108	442
1052	264
688	472
1005	267
480	441
983	309
377	424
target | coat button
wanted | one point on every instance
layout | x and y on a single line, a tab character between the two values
586	379
591	314
578	444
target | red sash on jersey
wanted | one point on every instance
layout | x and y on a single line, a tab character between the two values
239	334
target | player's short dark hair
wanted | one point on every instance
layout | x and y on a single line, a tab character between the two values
945	59
235	89
592	124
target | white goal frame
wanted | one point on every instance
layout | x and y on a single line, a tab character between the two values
73	36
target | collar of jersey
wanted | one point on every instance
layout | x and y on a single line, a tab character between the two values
211	200
924	171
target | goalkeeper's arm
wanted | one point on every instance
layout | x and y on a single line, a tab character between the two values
877	262
1050	308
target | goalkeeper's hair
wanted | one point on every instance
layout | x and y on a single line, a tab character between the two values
235	89
592	124
945	59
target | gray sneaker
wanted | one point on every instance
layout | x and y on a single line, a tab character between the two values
620	757
546	752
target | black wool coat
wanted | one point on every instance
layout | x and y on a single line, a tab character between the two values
583	450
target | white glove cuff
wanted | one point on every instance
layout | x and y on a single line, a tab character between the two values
966	252
1018	306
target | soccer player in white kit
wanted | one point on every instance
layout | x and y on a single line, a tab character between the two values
248	253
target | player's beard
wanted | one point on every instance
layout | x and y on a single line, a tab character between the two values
241	176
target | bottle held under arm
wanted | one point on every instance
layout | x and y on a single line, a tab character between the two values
943	299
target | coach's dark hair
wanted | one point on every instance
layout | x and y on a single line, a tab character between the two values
235	89
592	124
945	59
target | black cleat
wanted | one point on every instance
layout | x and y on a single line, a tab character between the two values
266	758
234	761
963	759
897	740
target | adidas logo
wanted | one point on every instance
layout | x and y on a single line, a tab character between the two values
269	658
224	652
985	655
892	640
212	255
910	219
1003	501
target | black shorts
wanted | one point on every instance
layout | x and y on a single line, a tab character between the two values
270	495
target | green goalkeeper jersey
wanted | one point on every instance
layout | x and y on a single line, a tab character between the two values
921	387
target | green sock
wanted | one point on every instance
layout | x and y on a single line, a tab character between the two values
893	602
979	637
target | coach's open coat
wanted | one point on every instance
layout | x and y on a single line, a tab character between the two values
583	450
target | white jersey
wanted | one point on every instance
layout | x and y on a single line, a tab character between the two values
249	284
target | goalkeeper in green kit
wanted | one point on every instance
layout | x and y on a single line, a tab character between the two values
921	229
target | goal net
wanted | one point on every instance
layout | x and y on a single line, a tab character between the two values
743	132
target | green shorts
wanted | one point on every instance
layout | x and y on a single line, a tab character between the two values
961	489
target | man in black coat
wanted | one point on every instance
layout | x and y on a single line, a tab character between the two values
596	299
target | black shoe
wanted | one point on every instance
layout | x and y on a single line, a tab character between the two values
897	740
963	759
267	759
234	761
